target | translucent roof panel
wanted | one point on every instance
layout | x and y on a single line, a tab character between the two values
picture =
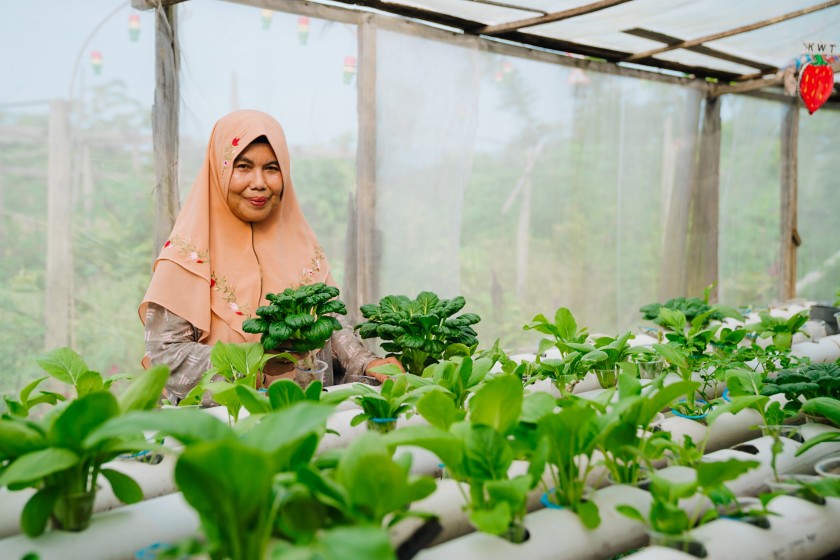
683	19
473	11
692	58
780	44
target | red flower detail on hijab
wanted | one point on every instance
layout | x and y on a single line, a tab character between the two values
212	282
167	244
234	142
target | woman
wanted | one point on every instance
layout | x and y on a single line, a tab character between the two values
240	235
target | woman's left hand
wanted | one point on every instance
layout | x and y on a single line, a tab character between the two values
381	377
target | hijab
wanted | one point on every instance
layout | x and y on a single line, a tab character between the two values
215	269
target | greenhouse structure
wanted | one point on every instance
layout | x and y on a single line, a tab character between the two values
556	279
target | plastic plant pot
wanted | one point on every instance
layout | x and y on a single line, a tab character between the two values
683	543
381	425
650	370
72	512
606	377
691	416
829	467
305	376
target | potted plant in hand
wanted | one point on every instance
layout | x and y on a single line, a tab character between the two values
419	332
62	454
299	320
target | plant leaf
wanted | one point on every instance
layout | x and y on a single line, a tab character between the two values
125	488
36	512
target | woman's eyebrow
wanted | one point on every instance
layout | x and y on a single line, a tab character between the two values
241	159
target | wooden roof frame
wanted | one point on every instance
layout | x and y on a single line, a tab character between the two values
516	32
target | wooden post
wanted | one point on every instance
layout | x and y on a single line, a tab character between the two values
790	236
58	292
349	286
367	257
702	265
672	269
165	124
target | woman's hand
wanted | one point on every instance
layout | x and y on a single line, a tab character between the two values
381	377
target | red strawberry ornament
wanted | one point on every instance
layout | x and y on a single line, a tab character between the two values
816	82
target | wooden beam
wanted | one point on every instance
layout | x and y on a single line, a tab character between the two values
58	293
367	259
550	18
304	8
165	125
789	234
418	13
700	49
736	31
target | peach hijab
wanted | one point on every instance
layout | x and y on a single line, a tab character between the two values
215	269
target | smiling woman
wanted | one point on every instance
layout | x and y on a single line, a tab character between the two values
240	235
256	184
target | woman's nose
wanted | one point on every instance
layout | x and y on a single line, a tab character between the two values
258	181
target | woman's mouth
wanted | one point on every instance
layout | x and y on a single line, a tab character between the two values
258	201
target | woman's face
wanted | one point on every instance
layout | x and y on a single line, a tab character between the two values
255	184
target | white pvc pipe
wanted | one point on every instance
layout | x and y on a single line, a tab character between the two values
827	349
155	480
787	462
113	535
800	531
558	533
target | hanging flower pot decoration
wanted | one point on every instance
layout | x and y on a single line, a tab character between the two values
303	30
266	18
134	27
349	69
816	82
96	62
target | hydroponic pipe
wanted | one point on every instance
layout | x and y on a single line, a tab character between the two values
113	535
155	480
799	530
558	533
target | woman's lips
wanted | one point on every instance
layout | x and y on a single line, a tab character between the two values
258	201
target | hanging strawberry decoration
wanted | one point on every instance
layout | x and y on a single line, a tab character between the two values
816	82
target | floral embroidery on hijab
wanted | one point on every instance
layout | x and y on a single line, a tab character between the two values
229	150
228	292
308	274
188	250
